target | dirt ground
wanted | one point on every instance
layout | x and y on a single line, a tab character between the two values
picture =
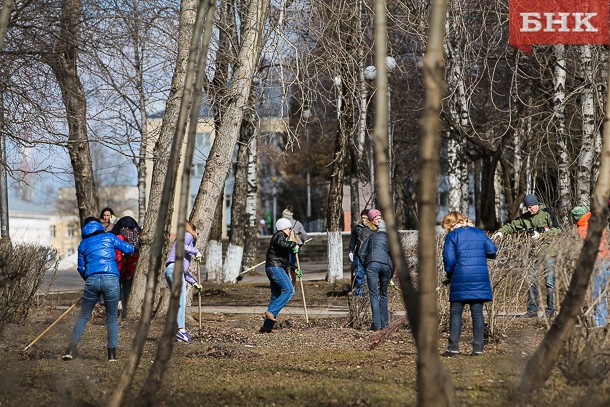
229	363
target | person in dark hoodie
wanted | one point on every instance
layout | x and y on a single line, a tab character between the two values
354	246
377	261
97	266
128	230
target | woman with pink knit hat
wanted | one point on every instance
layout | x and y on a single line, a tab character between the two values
370	227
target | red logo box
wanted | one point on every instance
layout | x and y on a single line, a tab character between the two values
557	22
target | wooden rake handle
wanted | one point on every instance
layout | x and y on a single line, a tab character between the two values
53	324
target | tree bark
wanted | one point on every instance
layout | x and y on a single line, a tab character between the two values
433	380
155	375
564	189
587	105
161	157
63	62
541	363
212	184
239	223
250	247
154	265
346	126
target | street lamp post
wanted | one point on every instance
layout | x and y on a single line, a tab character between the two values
370	73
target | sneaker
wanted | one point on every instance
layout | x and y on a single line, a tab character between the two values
476	354
450	353
112	355
549	314
183	336
529	314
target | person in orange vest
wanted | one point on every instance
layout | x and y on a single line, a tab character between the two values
602	267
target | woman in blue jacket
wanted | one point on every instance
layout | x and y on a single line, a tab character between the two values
465	257
97	266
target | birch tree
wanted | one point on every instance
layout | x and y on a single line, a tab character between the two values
194	62
217	166
540	364
589	131
240	217
161	154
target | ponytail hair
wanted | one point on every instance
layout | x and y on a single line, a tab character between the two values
192	229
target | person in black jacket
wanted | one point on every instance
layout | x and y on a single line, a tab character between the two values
276	263
354	246
375	253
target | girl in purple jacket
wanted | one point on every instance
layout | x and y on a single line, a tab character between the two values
190	252
465	257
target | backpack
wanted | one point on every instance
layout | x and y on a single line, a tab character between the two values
132	235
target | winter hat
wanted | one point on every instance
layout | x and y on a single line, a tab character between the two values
128	213
530	200
283	223
287	213
374	213
579	212
381	227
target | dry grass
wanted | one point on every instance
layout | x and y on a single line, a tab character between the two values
325	363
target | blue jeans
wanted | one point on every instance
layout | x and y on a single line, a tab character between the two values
455	325
378	277
549	275
169	277
281	289
600	310
96	286
359	277
125	285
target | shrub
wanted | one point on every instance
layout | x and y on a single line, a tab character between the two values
22	270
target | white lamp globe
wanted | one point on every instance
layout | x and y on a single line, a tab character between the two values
370	72
390	63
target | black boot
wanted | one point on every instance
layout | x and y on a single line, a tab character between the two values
112	355
70	352
267	326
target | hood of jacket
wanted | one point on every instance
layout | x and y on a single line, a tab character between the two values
92	228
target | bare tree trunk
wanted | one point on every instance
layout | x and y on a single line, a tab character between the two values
213	251
335	198
561	136
434	381
161	156
5	16
544	358
239	223
4	220
212	184
154	265
155	374
350	27
63	62
143	152
589	134
251	219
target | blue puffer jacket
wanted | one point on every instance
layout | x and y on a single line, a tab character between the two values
96	253
465	257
